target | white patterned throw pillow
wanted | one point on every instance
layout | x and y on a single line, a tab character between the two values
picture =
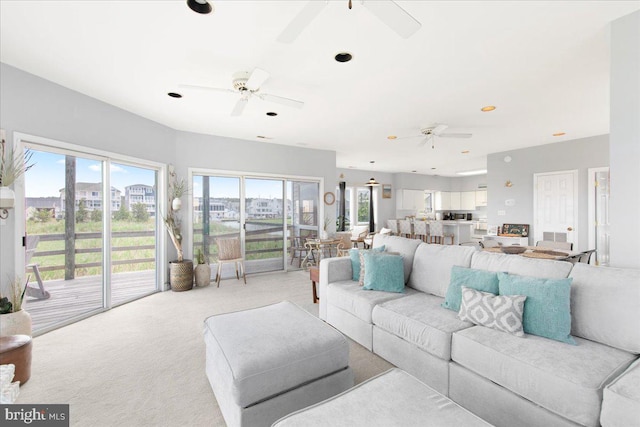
500	312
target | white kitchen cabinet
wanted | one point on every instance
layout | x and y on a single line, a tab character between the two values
412	200
443	201
455	201
481	198
468	200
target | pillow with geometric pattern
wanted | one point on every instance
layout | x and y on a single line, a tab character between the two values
500	312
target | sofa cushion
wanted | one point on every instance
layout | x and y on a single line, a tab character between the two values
500	312
357	266
420	320
604	305
402	246
352	298
383	272
432	264
621	400
547	308
511	264
549	373
480	280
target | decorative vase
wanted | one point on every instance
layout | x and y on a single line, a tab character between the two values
324	235
176	204
203	275
181	275
18	323
7	198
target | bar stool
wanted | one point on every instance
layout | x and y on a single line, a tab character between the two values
436	232
420	230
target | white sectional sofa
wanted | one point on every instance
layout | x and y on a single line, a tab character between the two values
506	380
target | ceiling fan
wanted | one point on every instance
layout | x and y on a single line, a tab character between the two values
247	85
388	11
436	130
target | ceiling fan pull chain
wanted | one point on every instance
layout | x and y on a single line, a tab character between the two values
350	5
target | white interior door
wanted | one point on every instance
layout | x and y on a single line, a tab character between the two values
556	206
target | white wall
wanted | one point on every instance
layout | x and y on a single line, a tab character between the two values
625	141
579	154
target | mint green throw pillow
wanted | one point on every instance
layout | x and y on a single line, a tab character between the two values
547	310
480	280
383	272
354	254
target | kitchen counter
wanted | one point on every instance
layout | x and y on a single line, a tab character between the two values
461	229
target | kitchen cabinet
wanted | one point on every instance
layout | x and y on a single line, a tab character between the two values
481	198
443	201
468	200
410	200
455	201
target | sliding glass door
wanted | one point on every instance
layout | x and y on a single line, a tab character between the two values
88	246
264	212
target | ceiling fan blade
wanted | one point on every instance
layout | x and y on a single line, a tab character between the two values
438	129
302	19
395	17
455	135
423	142
407	137
256	79
280	100
207	88
239	107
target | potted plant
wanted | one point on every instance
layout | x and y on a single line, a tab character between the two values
12	166
181	270
202	271
14	320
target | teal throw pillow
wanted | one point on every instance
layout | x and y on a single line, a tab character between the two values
547	310
383	272
354	254
480	280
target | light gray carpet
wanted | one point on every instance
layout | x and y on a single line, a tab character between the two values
142	364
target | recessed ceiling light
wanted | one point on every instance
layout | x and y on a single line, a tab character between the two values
263	137
559	134
392	137
272	114
200	6
343	57
352	167
476	172
372	161
174	95
433	169
414	171
465	152
488	108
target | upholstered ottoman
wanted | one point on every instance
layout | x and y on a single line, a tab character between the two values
393	398
270	361
621	399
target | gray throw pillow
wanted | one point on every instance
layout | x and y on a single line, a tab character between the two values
500	312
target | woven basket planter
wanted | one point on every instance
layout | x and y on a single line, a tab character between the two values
181	275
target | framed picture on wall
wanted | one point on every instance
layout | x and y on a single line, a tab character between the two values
386	191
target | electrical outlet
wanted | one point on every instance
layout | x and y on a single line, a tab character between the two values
502	213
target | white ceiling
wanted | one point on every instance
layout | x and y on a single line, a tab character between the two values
545	65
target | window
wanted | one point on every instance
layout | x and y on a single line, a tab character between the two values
429	197
363	205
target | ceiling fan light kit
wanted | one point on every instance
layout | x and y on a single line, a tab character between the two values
200	6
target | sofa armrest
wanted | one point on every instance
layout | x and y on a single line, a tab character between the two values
332	270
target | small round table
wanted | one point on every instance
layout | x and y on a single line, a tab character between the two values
16	350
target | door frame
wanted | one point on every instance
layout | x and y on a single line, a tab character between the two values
20	140
575	227
591	203
242	175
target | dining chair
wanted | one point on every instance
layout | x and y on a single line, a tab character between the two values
421	230
405	228
345	242
229	251
298	250
358	233
583	257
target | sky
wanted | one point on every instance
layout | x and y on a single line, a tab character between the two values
47	177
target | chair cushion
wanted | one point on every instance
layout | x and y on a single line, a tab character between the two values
549	373
352	298
432	264
604	305
400	245
621	400
262	352
420	320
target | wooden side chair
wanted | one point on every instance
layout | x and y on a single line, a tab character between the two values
40	292
298	250
229	251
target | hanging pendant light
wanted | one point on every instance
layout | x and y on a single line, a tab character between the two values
372	183
200	6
